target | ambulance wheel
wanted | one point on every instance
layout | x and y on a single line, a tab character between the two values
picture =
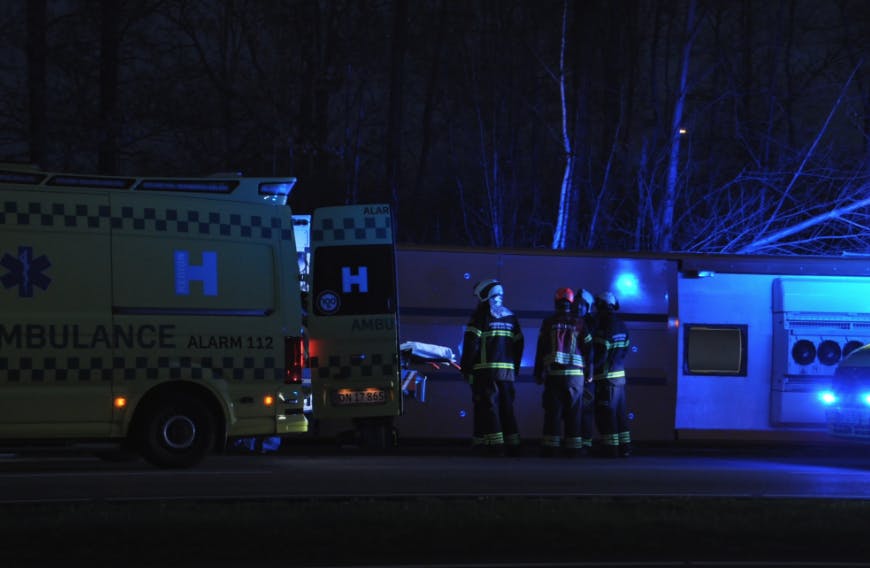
177	432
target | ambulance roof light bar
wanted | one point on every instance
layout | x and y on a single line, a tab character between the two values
188	185
271	190
90	181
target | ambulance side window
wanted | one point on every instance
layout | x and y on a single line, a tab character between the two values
354	280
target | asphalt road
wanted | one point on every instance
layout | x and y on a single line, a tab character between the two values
669	505
815	471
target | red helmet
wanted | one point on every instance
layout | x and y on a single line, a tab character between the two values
565	294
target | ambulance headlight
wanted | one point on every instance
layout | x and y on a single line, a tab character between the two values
865	398
827	397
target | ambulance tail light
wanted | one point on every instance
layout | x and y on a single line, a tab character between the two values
294	360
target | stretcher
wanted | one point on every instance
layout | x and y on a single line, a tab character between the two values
414	355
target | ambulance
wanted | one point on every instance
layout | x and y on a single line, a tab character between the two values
166	314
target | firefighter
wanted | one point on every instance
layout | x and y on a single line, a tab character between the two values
582	306
492	351
610	346
562	349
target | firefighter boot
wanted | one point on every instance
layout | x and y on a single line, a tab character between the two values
625	449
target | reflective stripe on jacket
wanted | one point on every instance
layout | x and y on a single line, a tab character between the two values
493	345
563	346
611	342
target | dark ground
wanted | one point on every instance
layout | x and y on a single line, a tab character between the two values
503	530
431	531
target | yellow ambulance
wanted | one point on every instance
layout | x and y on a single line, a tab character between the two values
161	313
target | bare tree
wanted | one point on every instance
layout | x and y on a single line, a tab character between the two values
494	142
664	230
109	44
479	142
766	236
813	209
36	78
398	48
432	83
563	218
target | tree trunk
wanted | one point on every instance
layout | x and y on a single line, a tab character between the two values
428	106
109	128
565	191
666	234
394	126
36	70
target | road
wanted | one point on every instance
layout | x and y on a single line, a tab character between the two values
295	472
421	506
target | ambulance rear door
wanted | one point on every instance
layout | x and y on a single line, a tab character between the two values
55	316
353	316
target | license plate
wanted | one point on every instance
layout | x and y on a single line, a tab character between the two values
347	397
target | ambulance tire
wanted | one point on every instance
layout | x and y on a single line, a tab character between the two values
177	431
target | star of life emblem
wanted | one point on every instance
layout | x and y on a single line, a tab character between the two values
25	272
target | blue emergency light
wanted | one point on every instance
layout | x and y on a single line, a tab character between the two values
277	192
827	397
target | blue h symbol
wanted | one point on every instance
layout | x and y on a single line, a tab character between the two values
206	273
360	279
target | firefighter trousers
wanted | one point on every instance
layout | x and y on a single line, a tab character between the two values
494	420
562	399
611	414
587	414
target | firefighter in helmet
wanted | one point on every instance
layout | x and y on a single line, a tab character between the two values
492	351
582	307
560	365
610	346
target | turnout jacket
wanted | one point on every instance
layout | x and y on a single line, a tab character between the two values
564	345
493	345
611	342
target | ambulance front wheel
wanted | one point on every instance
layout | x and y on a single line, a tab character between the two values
176	432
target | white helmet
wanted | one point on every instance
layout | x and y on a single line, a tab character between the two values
607	299
486	289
